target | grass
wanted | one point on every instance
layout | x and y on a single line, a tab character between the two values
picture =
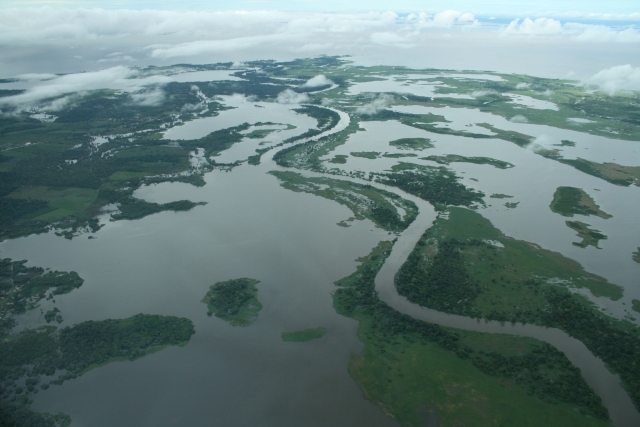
304	335
64	202
339	159
424	374
589	237
636	256
500	196
412	380
635	305
568	201
512	205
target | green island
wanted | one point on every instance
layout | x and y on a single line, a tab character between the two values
636	255
568	201
451	158
412	143
339	159
235	301
589	237
424	373
366	154
398	155
635	305
365	201
610	172
512	205
500	196
304	335
438	186
22	287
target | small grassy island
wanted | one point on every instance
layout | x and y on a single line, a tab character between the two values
636	256
451	158
235	301
589	237
365	201
569	201
419	371
304	335
412	143
366	154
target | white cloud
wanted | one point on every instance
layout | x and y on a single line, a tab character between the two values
116	78
391	39
522	85
621	77
519	119
317	81
444	19
378	104
148	98
36	76
548	27
288	96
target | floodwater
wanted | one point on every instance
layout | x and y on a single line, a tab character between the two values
252	227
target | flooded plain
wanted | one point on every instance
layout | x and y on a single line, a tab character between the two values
252	227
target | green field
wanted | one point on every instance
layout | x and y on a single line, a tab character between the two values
589	237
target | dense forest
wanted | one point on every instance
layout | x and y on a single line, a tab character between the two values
234	300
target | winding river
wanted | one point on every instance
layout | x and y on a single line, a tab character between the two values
606	384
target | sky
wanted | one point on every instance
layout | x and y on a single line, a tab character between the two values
593	41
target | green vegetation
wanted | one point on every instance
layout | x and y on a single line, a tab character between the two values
568	201
235	301
635	305
304	335
499	281
420	372
512	205
500	196
636	255
398	155
339	159
412	143
566	143
22	287
610	172
589	237
451	158
366	154
46	356
327	119
52	315
365	201
438	186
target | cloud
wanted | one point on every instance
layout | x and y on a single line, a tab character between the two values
69	87
378	104
36	76
621	77
317	81
444	19
148	98
391	39
215	46
548	27
288	96
522	85
519	119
